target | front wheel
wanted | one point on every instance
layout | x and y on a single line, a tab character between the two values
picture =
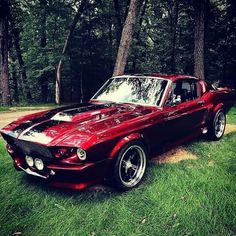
130	165
217	127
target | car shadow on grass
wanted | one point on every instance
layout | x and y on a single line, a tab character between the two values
96	193
41	184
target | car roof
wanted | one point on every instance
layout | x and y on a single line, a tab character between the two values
171	77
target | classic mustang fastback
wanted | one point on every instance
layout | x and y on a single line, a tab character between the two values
113	135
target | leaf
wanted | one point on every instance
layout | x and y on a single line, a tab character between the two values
143	221
17	233
174	216
59	206
176	225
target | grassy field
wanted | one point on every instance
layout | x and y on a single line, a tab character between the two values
193	197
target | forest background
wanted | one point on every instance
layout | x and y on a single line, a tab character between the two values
66	49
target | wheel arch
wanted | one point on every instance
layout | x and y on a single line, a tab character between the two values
212	125
125	140
214	110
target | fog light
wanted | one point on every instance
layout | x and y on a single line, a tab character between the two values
29	160
81	154
38	164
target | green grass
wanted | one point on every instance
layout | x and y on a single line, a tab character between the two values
193	197
231	116
2	108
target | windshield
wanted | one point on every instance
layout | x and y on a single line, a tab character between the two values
143	90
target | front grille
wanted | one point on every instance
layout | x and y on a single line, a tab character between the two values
28	148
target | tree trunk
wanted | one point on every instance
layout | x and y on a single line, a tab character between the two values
228	41
118	21
67	40
15	82
127	8
199	7
174	21
137	36
43	43
15	32
4	77
126	39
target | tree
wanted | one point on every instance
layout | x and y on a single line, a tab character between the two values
137	35
229	45
43	43
126	38
199	8
79	40
4	15
173	14
67	40
16	39
118	20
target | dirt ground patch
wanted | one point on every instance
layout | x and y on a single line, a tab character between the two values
230	128
8	117
174	156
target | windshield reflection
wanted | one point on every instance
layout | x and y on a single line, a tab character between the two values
143	90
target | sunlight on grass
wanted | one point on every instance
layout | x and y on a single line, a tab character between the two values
192	197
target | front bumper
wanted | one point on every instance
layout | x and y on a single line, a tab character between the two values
73	176
66	173
30	172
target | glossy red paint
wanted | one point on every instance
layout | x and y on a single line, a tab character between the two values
124	141
102	129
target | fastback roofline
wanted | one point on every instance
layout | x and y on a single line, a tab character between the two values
158	76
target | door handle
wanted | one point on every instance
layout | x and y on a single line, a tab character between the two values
202	103
171	115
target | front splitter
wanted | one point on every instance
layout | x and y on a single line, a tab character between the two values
30	172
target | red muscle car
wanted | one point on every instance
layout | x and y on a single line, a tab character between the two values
113	135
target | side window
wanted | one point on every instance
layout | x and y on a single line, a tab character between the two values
195	87
186	91
183	91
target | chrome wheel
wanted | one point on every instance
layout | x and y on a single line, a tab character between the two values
219	124
132	165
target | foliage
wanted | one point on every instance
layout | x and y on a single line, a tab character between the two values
91	53
193	197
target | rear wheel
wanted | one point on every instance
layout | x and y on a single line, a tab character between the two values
130	166
217	126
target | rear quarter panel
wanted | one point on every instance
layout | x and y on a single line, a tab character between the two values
221	98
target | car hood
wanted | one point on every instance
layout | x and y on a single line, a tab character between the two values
75	125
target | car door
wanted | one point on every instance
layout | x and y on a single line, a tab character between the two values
187	115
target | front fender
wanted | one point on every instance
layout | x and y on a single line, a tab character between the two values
124	141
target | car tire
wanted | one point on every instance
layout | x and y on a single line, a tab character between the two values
130	166
217	125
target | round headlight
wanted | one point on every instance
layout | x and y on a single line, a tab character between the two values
38	164
29	160
81	154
